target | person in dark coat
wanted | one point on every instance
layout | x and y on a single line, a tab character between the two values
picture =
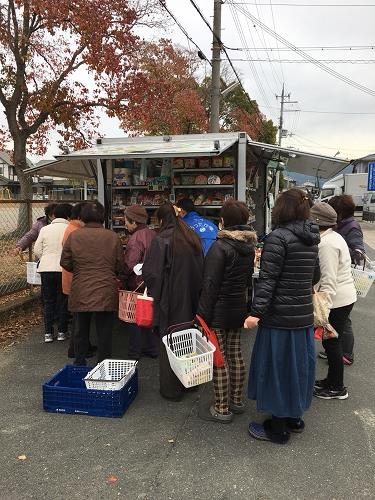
95	257
349	228
141	340
282	372
31	236
228	268
172	272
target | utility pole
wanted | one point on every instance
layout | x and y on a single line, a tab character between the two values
284	99
215	78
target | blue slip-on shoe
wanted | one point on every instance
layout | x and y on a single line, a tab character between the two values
257	431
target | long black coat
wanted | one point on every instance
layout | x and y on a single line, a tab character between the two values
228	267
173	279
288	269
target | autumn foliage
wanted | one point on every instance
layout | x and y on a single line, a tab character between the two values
169	102
61	60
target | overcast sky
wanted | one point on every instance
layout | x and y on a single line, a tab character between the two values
314	89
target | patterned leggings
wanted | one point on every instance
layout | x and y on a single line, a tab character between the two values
229	380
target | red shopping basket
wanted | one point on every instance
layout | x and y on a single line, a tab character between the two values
127	304
144	310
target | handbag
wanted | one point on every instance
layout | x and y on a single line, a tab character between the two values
219	361
322	328
144	310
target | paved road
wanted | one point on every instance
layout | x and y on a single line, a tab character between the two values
71	456
162	450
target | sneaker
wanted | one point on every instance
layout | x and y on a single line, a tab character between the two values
61	336
320	384
322	355
48	337
326	393
257	431
347	361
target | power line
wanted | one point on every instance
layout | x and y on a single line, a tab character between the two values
299	61
253	69
309	49
304	55
200	51
305	4
277	44
359	113
257	111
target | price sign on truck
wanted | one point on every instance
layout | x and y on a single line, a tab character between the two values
371	177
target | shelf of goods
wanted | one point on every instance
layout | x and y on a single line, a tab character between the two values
209	182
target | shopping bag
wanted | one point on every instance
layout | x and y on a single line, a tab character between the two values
219	361
322	328
144	310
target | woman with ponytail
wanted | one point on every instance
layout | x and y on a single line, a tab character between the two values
172	271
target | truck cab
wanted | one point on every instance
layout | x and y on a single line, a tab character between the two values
369	202
329	191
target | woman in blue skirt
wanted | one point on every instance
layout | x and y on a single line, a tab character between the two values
282	371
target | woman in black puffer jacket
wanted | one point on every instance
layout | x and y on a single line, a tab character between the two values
282	371
227	272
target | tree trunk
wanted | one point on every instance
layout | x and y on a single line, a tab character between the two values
26	184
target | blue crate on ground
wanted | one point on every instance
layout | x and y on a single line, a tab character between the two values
66	392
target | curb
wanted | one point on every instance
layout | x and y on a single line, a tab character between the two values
19	306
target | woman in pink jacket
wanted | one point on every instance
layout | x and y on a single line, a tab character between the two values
142	341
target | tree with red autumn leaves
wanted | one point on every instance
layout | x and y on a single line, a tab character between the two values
61	60
171	104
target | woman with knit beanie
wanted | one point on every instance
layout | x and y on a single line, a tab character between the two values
142	341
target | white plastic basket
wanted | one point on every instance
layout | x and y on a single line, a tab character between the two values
110	374
363	279
32	275
191	356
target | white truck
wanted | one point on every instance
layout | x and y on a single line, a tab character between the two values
352	184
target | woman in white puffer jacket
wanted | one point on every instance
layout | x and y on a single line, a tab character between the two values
335	279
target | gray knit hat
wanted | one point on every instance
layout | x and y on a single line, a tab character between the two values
323	214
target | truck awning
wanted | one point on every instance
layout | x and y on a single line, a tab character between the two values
82	164
300	162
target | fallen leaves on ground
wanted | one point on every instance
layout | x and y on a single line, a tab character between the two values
112	479
18	326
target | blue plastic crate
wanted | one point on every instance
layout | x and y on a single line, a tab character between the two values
66	392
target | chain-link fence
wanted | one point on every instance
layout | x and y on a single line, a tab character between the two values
16	218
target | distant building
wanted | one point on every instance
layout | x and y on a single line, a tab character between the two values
360	166
44	188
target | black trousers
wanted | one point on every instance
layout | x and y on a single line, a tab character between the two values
348	339
334	348
55	303
104	325
141	341
170	386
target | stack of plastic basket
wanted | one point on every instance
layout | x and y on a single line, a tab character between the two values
104	391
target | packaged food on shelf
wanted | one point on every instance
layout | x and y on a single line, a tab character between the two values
189	163
201	179
178	163
227	179
217	162
228	162
187	180
204	162
118	220
214	179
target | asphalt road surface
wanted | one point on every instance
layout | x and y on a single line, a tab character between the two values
160	450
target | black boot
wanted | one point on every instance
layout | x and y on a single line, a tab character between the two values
276	430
